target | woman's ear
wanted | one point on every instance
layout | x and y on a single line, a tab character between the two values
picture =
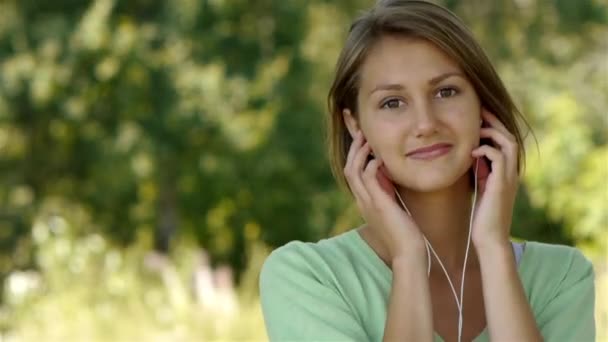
351	122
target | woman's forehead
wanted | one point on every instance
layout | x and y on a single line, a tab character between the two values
403	60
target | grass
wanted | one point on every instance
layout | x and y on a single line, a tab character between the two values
89	291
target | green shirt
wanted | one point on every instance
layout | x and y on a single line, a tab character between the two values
338	289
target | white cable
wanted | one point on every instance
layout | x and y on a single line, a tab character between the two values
459	301
428	260
466	255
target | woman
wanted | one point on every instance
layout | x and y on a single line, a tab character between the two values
426	137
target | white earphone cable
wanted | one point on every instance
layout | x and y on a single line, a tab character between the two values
459	300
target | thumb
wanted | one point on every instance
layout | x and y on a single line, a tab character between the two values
483	172
385	182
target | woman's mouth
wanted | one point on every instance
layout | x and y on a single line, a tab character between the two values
430	152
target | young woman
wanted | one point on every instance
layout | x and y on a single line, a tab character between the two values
426	137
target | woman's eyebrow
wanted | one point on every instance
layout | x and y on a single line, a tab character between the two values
432	81
445	75
389	86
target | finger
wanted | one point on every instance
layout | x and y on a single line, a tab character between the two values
354	146
385	181
481	172
359	192
495	156
353	173
358	166
493	120
370	179
506	145
482	168
361	157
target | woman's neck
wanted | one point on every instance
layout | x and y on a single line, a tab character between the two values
444	218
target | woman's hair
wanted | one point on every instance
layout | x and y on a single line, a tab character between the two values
420	20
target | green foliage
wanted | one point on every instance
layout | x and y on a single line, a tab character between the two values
157	115
177	125
104	293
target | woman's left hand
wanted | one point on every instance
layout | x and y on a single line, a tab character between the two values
497	188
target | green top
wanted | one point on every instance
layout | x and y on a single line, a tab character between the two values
337	289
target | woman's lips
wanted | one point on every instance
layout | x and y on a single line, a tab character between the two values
430	152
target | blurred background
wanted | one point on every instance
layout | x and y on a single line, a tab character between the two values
152	153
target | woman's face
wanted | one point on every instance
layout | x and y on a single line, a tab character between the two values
413	96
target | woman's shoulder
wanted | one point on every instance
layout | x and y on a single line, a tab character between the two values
319	258
299	255
301	292
548	255
549	269
559	284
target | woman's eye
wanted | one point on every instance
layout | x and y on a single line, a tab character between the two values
392	103
446	92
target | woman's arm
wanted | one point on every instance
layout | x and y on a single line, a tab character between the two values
410	316
508	313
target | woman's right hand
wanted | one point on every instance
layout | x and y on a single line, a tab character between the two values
375	196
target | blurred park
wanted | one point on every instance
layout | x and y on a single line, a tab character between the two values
152	153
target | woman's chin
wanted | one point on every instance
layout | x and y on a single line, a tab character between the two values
431	178
430	183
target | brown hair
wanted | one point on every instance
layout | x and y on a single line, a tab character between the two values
421	20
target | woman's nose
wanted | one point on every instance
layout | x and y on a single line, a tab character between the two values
426	120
